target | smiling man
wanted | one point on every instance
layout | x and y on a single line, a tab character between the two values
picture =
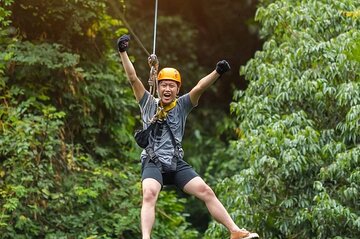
162	158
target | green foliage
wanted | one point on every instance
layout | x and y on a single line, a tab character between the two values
68	165
49	190
5	13
297	151
4	40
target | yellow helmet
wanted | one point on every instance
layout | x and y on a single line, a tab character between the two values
169	74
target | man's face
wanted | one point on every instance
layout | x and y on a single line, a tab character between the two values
168	91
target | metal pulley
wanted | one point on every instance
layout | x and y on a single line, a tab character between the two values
154	67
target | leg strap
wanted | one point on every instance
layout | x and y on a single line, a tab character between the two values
153	157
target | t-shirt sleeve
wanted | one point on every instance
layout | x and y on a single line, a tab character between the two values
148	107
143	100
185	102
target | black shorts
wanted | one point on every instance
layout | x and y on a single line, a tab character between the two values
183	174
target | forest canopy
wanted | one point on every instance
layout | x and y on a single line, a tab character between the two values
278	137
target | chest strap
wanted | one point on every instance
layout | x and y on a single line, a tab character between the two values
152	155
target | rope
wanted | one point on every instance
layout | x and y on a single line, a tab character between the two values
127	25
135	36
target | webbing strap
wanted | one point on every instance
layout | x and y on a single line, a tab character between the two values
151	153
150	149
176	149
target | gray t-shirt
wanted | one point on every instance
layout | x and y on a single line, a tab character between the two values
176	119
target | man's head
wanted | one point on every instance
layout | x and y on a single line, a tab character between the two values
169	84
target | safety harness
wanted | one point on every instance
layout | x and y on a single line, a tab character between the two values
151	155
142	135
144	139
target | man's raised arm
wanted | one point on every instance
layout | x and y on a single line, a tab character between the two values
221	67
136	84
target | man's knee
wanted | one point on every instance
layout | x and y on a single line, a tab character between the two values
206	192
151	189
150	195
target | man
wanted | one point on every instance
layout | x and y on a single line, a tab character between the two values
162	159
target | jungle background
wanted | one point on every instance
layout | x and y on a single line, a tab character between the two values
277	137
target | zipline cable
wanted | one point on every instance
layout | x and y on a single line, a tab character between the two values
155	25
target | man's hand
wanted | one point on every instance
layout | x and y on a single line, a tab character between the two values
222	67
123	43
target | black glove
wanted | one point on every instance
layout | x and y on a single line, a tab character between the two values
222	67
123	43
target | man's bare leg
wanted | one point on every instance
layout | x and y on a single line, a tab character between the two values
151	189
201	190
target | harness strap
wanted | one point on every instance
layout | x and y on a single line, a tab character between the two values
150	150
152	155
176	149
